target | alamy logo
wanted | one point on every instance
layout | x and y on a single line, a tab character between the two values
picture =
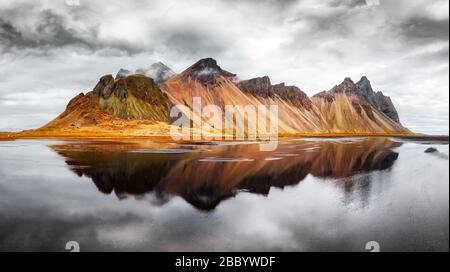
373	246
212	122
72	246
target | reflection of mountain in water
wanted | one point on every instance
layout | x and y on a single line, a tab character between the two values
204	176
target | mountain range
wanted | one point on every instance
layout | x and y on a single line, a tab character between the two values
138	104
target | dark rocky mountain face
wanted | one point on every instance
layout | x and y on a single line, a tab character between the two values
377	99
207	71
102	83
132	97
386	106
138	85
262	87
292	94
363	90
346	87
259	86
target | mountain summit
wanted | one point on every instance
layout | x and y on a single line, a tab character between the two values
377	99
206	71
363	95
158	71
262	87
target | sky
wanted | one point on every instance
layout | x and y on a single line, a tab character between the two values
53	50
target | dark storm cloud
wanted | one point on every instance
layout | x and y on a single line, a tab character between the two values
423	28
51	31
442	54
348	3
336	21
195	42
433	57
9	34
335	24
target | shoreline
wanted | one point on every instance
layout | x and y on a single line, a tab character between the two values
11	136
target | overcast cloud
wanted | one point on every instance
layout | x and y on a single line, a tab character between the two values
51	51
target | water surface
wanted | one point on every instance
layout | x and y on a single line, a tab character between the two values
308	195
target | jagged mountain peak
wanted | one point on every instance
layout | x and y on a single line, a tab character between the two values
377	99
158	71
262	80
206	71
364	79
159	63
364	86
207	63
363	90
262	87
259	86
292	94
348	80
134	96
347	86
123	73
102	83
161	66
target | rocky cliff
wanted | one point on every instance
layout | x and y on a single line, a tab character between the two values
377	99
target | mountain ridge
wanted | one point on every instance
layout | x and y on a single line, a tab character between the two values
137	105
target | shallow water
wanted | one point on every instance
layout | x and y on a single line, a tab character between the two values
308	195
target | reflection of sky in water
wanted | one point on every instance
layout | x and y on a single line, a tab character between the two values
225	160
44	205
167	151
